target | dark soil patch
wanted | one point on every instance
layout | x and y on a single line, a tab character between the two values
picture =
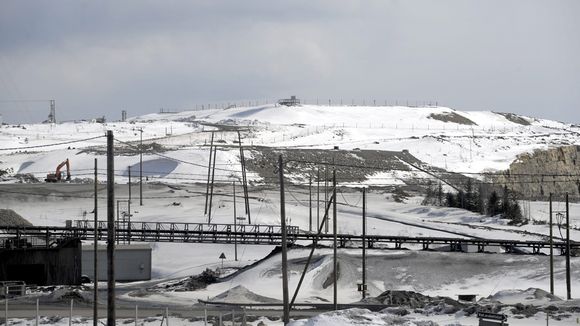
452	117
515	118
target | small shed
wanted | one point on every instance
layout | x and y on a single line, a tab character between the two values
132	262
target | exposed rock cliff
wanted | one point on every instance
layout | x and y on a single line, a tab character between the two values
536	175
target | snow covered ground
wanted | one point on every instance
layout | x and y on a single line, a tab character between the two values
491	142
385	216
174	189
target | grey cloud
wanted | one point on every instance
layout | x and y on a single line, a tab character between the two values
103	56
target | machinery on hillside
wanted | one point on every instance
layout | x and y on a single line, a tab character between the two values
57	176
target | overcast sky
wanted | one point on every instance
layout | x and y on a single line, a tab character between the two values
99	57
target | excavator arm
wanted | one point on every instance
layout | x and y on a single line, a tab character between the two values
57	176
59	167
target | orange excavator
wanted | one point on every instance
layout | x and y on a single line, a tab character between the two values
57	176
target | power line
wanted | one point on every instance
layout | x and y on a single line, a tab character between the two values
174	159
23	101
50	145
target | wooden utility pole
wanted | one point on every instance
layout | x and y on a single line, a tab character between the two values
235	224
364	243
118	221
127	223
141	168
335	247
310	205
286	317
95	243
211	186
326	193
568	281
208	173
110	230
244	179
318	197
551	251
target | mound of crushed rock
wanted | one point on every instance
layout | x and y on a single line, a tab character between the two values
192	283
531	295
9	217
241	294
419	301
520	303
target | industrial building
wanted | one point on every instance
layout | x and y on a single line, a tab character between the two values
50	263
292	101
132	262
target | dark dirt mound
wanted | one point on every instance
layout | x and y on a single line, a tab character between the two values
416	300
515	118
191	283
452	117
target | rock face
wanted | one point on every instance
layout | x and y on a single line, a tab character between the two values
536	175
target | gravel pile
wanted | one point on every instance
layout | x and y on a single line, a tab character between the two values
9	217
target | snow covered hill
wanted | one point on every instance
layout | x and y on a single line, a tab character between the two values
457	141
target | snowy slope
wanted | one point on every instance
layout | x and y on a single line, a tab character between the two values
492	142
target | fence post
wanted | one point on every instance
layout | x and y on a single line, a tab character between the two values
37	318
70	315
166	316
6	306
244	316
233	318
204	317
220	320
136	314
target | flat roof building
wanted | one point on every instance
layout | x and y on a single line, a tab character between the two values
132	262
292	101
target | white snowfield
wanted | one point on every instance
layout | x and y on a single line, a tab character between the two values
492	142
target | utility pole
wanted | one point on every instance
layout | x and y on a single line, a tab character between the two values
326	194
208	173
286	317
364	243
95	243
318	197
110	230
244	179
128	219
310	204
551	251
235	224
211	186
568	281
141	168
334	231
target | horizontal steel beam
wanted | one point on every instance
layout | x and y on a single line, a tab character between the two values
247	234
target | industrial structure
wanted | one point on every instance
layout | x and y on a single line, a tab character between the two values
292	101
40	261
132	262
52	114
